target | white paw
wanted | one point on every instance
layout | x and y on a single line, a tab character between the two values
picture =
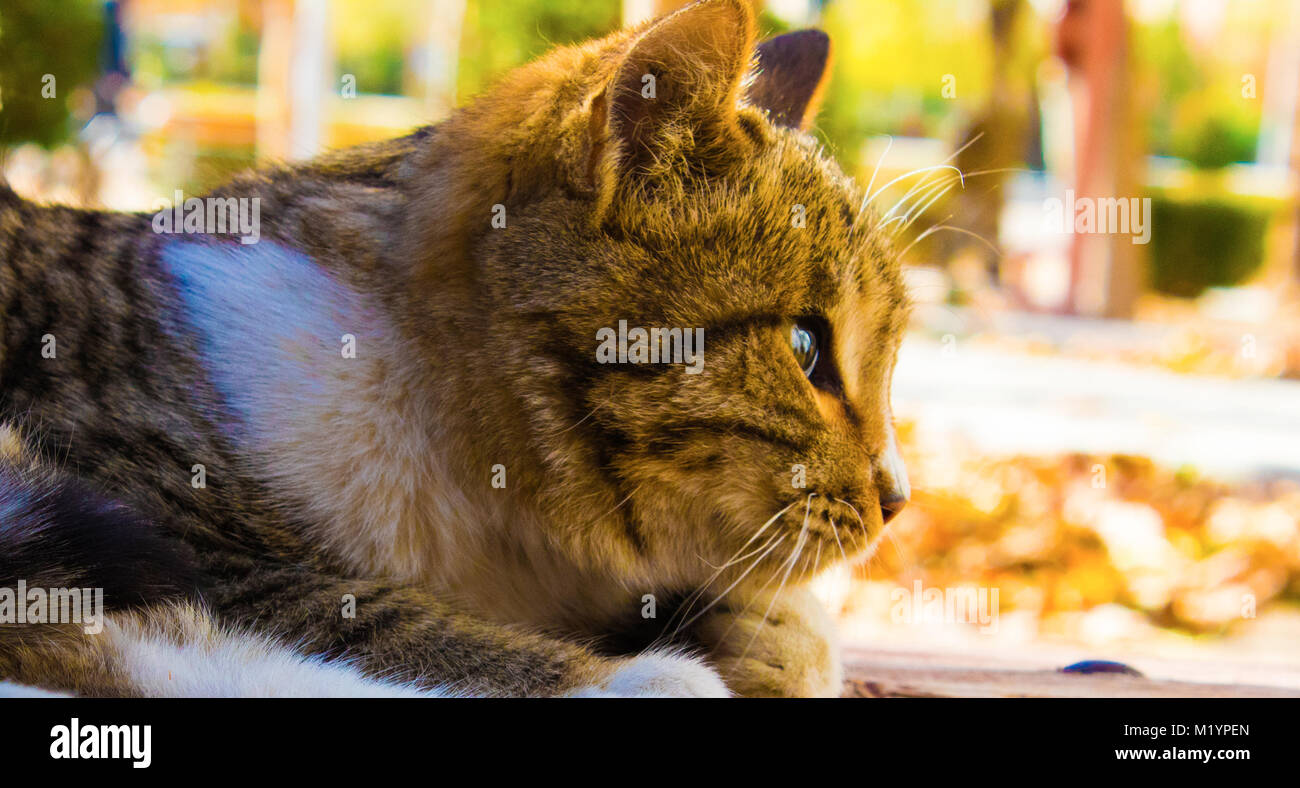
659	675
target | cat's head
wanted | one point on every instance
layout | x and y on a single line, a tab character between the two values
658	179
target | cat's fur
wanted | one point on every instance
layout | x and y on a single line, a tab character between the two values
331	478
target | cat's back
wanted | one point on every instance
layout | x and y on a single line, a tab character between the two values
92	279
159	357
67	276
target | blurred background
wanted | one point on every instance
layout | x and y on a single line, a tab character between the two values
1102	428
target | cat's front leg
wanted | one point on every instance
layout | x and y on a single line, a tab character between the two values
766	646
407	635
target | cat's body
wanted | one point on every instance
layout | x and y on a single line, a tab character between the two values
391	405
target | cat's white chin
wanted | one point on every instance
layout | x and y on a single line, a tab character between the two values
659	675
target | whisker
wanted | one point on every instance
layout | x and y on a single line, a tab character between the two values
871	198
599	405
758	593
918	210
836	532
916	214
619	505
964	146
866	196
794	556
925	184
867	199
728	589
907	564
735	559
952	228
929	196
947	184
695	596
764	527
855	512
879	162
926	188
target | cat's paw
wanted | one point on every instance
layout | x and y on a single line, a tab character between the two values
658	675
795	654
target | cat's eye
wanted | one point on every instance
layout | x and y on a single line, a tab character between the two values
804	342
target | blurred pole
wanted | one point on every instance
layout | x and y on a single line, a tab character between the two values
273	79
1105	269
311	69
637	11
1281	87
442	56
1278	148
114	71
996	140
295	67
105	130
1282	101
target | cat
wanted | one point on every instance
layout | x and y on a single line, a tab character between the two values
374	453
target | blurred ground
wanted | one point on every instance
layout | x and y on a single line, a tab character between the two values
1103	509
1006	402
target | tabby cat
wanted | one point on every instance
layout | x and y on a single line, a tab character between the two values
469	501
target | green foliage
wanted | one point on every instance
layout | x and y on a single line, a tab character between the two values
770	24
1161	49
1195	109
1217	140
380	71
230	58
1202	242
502	34
233	58
34	42
915	69
372	42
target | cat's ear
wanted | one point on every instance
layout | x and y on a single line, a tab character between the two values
683	73
791	77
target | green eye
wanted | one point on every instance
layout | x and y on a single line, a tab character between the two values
804	341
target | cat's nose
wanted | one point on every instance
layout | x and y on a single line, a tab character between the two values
895	489
891	506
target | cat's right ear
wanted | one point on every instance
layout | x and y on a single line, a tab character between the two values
680	78
791	77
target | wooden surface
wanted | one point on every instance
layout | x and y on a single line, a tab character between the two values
889	675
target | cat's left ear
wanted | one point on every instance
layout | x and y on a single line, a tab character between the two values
679	79
791	76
